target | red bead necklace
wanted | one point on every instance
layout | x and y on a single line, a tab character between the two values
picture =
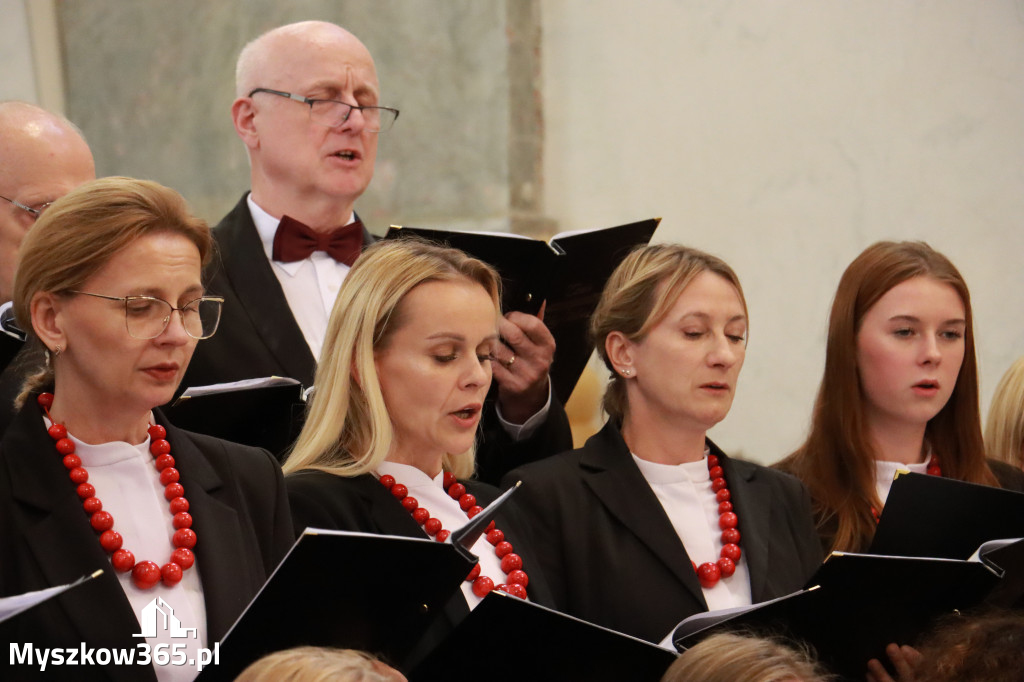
709	573
145	574
511	563
933	470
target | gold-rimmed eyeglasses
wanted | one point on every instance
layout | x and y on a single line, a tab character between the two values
146	317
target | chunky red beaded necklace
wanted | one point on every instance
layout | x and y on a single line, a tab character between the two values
933	470
145	574
709	573
511	563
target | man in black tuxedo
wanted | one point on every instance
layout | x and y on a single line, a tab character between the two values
308	111
42	157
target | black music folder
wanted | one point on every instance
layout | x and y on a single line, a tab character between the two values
11	607
855	605
508	639
267	412
930	516
569	272
375	593
1006	558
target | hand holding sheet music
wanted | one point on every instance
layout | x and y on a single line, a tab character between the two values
568	273
528	348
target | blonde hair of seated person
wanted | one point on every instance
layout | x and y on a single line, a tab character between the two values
731	657
319	664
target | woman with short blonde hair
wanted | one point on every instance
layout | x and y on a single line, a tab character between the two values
92	476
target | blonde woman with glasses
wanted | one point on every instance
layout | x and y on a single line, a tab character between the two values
91	474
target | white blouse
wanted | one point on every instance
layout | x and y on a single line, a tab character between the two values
129	487
886	471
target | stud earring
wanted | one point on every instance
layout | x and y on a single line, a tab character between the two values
48	354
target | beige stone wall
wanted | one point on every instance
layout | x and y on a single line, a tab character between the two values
151	83
783	135
786	136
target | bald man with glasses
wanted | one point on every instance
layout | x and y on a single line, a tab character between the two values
43	156
308	109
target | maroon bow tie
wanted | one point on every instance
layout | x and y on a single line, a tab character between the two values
295	241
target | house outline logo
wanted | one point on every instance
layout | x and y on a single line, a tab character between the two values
159	615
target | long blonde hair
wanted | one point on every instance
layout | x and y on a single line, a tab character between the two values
1004	429
348	431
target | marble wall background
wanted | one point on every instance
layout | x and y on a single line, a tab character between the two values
783	135
152	83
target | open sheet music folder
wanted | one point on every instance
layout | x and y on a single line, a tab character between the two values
931	516
569	272
1006	558
376	593
515	640
267	412
856	604
11	607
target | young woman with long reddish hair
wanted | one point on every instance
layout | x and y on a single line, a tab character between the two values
900	391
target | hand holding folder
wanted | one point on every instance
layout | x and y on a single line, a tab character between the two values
569	272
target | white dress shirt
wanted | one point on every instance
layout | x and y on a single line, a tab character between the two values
886	471
311	286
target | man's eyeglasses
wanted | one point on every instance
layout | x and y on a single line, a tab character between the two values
147	317
332	113
35	211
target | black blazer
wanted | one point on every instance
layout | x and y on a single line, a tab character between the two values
611	556
258	337
241	515
361	503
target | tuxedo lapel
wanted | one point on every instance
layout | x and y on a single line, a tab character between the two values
609	471
249	273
